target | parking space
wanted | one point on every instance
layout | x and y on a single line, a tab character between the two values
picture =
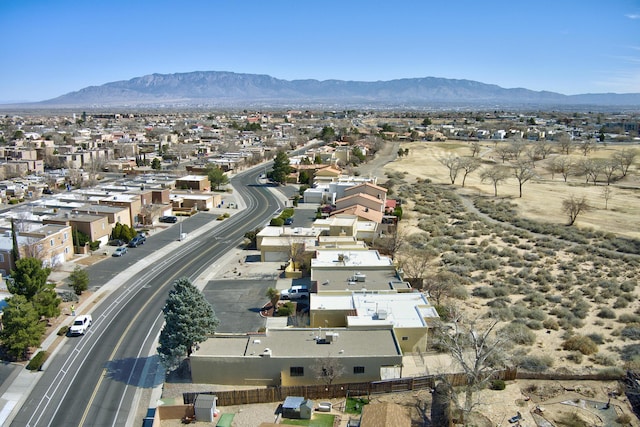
237	303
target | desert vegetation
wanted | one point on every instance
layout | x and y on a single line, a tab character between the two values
565	295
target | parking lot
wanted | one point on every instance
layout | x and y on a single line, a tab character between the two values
237	303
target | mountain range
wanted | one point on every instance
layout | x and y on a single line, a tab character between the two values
228	89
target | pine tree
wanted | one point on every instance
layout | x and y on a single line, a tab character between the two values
21	327
281	168
28	278
189	319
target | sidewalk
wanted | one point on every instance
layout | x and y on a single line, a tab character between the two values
21	384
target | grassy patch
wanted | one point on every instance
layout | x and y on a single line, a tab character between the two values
317	420
354	405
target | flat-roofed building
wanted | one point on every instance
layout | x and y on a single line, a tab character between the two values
193	182
290	357
409	314
346	271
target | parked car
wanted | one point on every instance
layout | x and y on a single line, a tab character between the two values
80	325
137	241
115	242
295	292
288	221
168	218
120	251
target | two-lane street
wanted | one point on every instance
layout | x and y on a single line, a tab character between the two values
92	379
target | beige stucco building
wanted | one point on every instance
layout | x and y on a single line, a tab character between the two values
291	357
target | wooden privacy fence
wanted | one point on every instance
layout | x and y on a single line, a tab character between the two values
279	393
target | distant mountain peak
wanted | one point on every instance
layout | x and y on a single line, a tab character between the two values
227	89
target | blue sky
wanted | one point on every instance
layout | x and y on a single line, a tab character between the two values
50	48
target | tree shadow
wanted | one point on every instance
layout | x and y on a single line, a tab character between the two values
144	372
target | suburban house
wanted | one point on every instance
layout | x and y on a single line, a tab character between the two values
367	201
349	225
97	227
291	357
50	243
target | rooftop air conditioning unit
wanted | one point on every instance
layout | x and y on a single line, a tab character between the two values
266	352
382	314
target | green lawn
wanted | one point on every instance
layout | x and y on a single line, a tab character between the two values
354	405
317	420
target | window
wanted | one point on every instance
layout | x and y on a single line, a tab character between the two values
52	242
65	237
405	338
66	250
2	258
358	369
296	371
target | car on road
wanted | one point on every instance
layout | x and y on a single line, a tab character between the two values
137	241
120	251
80	325
168	218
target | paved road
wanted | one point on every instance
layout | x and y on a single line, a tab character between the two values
94	379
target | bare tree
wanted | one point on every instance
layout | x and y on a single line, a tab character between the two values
495	175
445	284
609	167
414	264
468	165
587	146
625	159
591	168
523	173
543	149
391	242
562	165
574	206
475	148
607	194
516	148
565	143
479	351
504	152
451	162
327	369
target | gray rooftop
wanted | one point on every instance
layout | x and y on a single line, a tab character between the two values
305	343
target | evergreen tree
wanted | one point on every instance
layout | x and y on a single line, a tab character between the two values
281	168
21	327
216	176
47	303
189	319
156	164
28	278
79	279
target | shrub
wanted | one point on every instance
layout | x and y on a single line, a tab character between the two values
581	343
519	334
37	361
278	222
483	292
286	309
631	332
629	318
575	357
620	303
596	338
498	385
551	324
63	331
606	313
535	363
603	359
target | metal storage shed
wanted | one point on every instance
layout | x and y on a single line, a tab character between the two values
205	407
297	407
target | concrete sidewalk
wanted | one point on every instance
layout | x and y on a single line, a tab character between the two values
23	383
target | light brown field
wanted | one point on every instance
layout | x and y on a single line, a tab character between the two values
542	196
